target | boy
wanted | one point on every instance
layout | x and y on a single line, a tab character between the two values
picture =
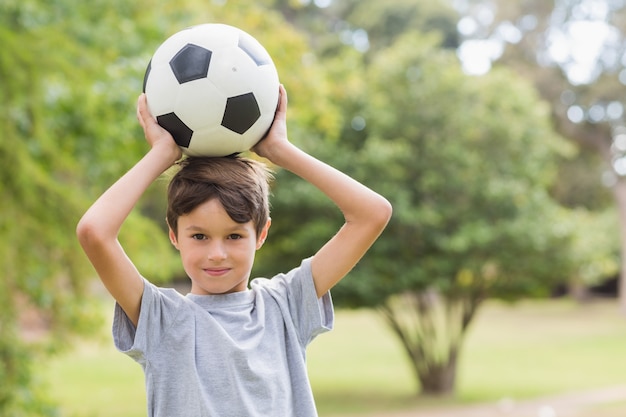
225	350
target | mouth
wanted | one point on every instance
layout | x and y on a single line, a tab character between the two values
216	272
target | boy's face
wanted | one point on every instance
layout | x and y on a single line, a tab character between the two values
217	253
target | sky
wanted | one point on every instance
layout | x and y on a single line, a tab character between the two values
576	40
579	39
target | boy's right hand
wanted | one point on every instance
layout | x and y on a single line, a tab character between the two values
155	135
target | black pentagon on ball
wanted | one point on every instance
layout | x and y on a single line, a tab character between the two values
179	130
191	63
241	113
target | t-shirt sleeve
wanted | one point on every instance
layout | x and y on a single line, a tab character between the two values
311	315
158	311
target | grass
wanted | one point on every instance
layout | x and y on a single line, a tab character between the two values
359	367
530	349
540	348
95	380
617	409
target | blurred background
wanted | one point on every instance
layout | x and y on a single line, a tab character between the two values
496	129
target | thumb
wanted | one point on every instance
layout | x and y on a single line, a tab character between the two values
143	114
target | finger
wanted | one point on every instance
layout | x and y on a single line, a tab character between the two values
141	105
282	98
145	117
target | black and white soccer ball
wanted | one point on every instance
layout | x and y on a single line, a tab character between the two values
214	88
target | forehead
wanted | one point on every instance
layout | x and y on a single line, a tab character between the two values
210	215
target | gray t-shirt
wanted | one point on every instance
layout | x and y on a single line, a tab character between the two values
234	355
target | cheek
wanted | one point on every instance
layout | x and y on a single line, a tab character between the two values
246	251
188	253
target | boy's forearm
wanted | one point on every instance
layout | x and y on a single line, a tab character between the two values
353	198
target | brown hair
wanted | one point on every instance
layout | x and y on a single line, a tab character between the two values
240	184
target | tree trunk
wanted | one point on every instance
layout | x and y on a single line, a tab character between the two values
431	329
440	380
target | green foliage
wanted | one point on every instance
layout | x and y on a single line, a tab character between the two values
384	22
595	246
69	130
71	73
40	269
368	25
467	163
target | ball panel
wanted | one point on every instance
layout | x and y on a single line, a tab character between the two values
191	63
200	104
171	46
265	84
177	128
215	141
161	90
241	113
214	36
254	49
233	71
257	131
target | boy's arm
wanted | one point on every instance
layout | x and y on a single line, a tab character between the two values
98	229
366	213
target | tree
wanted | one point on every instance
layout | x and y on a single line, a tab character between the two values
574	53
69	130
54	113
467	163
473	160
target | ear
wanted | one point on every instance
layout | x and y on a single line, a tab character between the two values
173	238
263	235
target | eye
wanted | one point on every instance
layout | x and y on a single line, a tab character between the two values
198	236
234	236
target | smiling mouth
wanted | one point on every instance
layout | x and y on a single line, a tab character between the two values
216	272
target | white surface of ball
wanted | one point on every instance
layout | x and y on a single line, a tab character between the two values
214	88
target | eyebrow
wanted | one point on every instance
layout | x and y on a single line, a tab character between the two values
195	228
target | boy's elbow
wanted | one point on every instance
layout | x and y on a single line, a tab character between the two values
388	210
84	231
382	212
88	233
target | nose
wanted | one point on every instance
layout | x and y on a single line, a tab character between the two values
216	250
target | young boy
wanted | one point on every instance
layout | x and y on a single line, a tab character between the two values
226	350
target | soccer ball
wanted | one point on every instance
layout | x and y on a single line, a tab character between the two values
214	88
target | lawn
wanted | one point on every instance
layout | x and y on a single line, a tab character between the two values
541	348
529	349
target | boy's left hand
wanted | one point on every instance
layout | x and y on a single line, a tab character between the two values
270	144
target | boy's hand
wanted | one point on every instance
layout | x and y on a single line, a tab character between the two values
269	147
155	135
